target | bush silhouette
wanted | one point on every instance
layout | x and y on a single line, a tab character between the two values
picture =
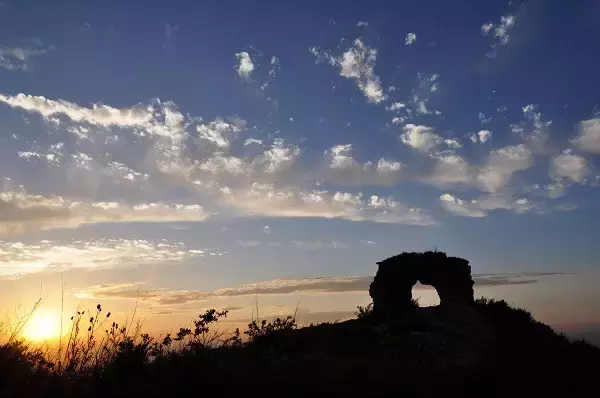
486	348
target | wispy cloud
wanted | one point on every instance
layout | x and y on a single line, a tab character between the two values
342	284
23	212
499	33
480	206
19	258
19	58
357	63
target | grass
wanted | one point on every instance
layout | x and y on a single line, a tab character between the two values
488	349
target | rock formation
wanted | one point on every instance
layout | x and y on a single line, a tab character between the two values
391	289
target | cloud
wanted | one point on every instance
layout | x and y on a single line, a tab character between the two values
410	39
333	284
362	24
268	200
155	146
357	63
450	169
18	58
340	157
345	170
18	258
218	132
567	165
499	32
245	66
588	139
21	212
421	138
459	207
501	165
396	106
278	156
482	136
478	208
98	114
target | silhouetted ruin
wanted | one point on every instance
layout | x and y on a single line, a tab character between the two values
391	289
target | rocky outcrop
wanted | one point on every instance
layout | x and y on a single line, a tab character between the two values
391	289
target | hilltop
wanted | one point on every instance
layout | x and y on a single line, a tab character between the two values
463	347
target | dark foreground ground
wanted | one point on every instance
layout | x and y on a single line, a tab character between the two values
485	350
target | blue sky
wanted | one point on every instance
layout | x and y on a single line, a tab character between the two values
189	147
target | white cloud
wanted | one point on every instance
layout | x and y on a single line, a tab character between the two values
21	212
483	118
395	106
98	114
275	66
17	58
500	32
486	28
82	160
420	137
388	166
250	141
482	136
357	63
431	82
245	66
122	172
220	163
345	170
452	143
218	132
17	258
555	190
268	200
567	165
410	39
450	169
157	146
479	207
278	157
459	207
589	136
502	164
362	24
341	157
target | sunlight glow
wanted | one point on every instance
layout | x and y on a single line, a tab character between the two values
43	325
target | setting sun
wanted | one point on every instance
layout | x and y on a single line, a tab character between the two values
43	325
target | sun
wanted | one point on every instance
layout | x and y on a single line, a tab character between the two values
43	325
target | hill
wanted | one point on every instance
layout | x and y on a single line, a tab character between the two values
480	348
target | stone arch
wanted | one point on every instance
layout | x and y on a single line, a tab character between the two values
391	289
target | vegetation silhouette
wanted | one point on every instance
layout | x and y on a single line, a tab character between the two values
469	348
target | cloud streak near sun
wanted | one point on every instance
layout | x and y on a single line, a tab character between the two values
339	284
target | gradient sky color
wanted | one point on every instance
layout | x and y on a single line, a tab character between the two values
195	155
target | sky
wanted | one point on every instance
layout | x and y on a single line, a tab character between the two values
183	155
